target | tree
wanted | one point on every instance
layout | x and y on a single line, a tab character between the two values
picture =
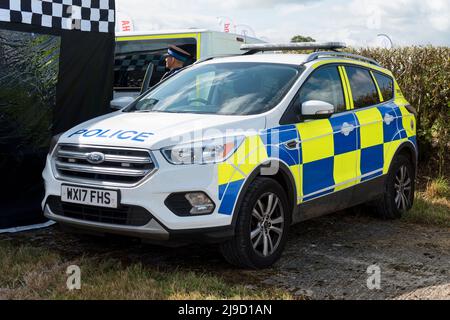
299	38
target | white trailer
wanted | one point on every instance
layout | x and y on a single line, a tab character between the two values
136	51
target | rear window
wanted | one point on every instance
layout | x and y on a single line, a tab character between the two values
363	88
386	85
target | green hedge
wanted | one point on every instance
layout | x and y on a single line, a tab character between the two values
423	74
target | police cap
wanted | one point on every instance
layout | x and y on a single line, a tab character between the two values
178	53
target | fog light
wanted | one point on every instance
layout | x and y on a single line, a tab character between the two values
200	202
189	204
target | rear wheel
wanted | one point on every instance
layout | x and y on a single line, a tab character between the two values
399	193
261	227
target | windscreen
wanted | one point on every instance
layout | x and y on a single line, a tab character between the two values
221	88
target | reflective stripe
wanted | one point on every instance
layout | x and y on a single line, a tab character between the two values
347	95
349	89
378	87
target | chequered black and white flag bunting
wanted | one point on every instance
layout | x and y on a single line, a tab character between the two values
83	15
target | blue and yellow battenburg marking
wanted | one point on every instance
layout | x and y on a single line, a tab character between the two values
332	154
233	172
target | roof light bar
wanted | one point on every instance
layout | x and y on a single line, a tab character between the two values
260	47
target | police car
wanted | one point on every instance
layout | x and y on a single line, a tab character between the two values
234	150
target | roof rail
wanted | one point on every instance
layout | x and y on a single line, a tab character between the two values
326	54
261	47
208	58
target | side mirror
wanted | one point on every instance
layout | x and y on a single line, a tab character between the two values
317	109
120	103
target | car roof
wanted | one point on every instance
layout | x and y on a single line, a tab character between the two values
294	59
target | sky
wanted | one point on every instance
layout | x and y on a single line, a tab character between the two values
356	22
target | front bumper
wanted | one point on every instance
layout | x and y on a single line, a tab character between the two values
150	195
152	230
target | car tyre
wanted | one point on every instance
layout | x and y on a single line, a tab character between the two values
262	226
398	195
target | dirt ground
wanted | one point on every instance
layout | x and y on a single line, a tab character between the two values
325	258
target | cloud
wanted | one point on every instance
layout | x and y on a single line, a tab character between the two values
250	4
356	21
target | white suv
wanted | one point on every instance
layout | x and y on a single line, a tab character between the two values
234	150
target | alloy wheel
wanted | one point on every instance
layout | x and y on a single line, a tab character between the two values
267	224
403	188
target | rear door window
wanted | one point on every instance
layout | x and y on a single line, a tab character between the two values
364	91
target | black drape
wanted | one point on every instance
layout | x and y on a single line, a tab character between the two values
86	78
84	90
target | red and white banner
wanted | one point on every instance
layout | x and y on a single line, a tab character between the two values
124	23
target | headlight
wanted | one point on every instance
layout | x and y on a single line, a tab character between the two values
203	152
54	142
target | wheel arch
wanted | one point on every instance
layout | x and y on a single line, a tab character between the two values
283	177
409	149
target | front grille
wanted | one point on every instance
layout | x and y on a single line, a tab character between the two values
124	215
120	166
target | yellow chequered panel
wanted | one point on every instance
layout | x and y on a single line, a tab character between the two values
317	140
250	154
227	173
371	130
345	169
409	122
399	97
297	173
389	150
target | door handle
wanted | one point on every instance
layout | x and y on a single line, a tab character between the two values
347	128
293	144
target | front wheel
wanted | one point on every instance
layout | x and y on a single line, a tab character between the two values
262	226
399	193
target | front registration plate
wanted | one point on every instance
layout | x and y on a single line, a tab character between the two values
89	196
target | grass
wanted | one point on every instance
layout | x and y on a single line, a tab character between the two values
31	270
38	273
432	206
